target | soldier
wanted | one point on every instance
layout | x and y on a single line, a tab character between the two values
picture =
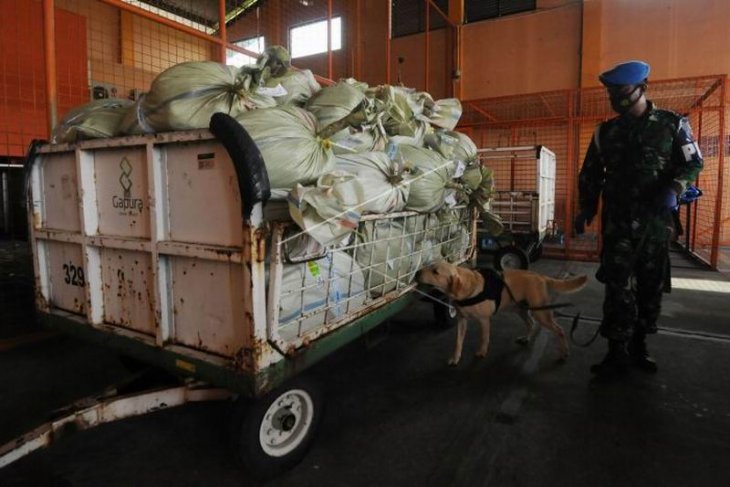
638	163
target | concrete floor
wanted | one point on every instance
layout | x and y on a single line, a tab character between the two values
398	416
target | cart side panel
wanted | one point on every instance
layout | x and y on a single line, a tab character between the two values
121	191
208	305
66	275
128	289
205	201
59	186
144	236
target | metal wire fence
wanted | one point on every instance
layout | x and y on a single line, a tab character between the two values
564	121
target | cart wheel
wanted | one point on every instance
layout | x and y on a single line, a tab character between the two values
511	258
445	316
536	252
274	433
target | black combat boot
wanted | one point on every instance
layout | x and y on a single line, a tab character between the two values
615	364
639	355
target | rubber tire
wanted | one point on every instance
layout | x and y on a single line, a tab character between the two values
536	253
246	423
513	252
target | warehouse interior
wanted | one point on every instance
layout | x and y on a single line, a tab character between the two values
526	75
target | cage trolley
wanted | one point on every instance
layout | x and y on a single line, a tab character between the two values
159	247
525	201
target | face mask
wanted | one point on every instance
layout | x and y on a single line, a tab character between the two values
622	102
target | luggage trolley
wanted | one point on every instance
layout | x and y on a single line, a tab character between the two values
163	248
524	198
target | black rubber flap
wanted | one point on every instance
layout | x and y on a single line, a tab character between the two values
253	180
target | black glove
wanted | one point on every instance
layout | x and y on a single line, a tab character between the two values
581	220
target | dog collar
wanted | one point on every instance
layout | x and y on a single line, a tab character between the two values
493	285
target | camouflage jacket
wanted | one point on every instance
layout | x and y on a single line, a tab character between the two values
632	161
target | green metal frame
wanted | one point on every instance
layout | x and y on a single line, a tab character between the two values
228	377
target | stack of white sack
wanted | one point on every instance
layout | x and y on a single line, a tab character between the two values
319	292
287	138
97	119
336	153
186	95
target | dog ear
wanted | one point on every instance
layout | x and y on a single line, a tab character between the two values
455	284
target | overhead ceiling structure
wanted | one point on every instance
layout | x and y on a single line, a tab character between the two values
204	12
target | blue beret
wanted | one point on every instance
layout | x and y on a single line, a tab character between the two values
629	73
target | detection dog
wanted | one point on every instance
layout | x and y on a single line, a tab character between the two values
478	294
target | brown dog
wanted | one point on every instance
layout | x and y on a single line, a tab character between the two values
459	284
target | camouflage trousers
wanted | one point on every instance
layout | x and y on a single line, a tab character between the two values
634	273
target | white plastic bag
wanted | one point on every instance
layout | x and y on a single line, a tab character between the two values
286	137
328	211
384	182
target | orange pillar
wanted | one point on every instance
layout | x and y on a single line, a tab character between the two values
427	54
222	33
456	15
590	58
49	44
127	35
329	39
387	42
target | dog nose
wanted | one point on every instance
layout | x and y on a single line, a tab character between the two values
418	275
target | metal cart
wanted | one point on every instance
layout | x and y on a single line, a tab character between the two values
525	201
153	246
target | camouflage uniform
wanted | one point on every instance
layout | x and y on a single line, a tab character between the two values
633	163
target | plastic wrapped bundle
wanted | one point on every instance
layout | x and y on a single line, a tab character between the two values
334	103
492	223
328	211
100	118
275	61
384	182
452	145
186	95
432	177
426	236
292	152
482	195
453	234
323	289
293	88
386	255
443	113
351	140
401	113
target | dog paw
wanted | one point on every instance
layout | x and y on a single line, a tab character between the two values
480	354
522	341
453	362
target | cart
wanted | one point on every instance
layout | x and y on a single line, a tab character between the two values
162	248
525	201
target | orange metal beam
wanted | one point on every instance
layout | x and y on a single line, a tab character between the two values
427	64
387	42
456	18
49	45
329	39
127	34
442	14
717	224
482	111
222	32
358	40
162	20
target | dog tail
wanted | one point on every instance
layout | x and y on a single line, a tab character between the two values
567	286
